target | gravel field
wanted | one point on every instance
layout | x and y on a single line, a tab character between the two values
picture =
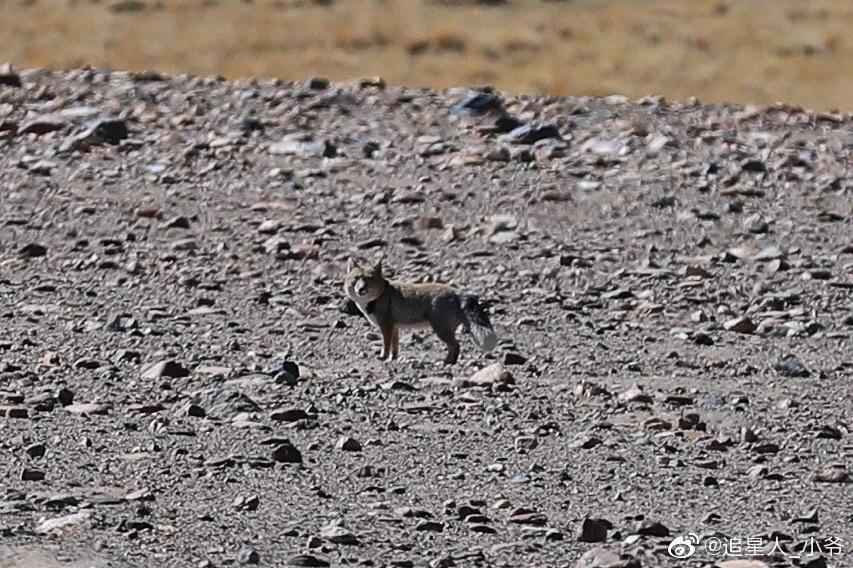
182	382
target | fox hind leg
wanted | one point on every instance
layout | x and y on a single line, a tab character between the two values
448	336
395	343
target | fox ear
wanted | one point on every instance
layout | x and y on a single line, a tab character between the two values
377	268
349	265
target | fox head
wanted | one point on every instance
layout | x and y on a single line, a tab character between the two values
364	285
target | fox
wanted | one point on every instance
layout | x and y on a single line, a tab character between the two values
391	305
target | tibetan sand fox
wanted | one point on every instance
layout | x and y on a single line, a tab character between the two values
393	305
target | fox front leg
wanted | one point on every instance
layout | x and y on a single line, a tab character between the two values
395	343
388	332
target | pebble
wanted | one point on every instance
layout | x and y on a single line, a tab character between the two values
248	555
247	502
300	145
526	517
833	473
478	103
525	443
756	224
429	526
92	408
9	77
348	444
20	412
307	561
635	393
653	528
43	124
790	366
584	441
606	558
56	523
742	324
494	374
337	534
164	369
531	133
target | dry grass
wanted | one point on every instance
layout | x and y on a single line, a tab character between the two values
758	51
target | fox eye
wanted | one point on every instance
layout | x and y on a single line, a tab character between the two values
360	287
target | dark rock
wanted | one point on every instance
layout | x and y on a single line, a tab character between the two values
14	412
65	396
194	410
653	528
512	358
593	530
29	474
791	366
286	453
106	130
479	103
32	250
307	561
740	325
503	125
35	451
9	77
349	308
702	338
429	526
288	415
288	367
754	166
318	83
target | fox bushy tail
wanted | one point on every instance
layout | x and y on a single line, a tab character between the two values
477	323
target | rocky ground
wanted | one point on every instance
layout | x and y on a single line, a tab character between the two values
183	384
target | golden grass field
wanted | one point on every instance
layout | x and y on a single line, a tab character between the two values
746	51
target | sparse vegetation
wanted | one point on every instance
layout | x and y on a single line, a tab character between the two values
757	51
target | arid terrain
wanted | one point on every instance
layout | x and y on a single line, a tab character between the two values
745	51
182	383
